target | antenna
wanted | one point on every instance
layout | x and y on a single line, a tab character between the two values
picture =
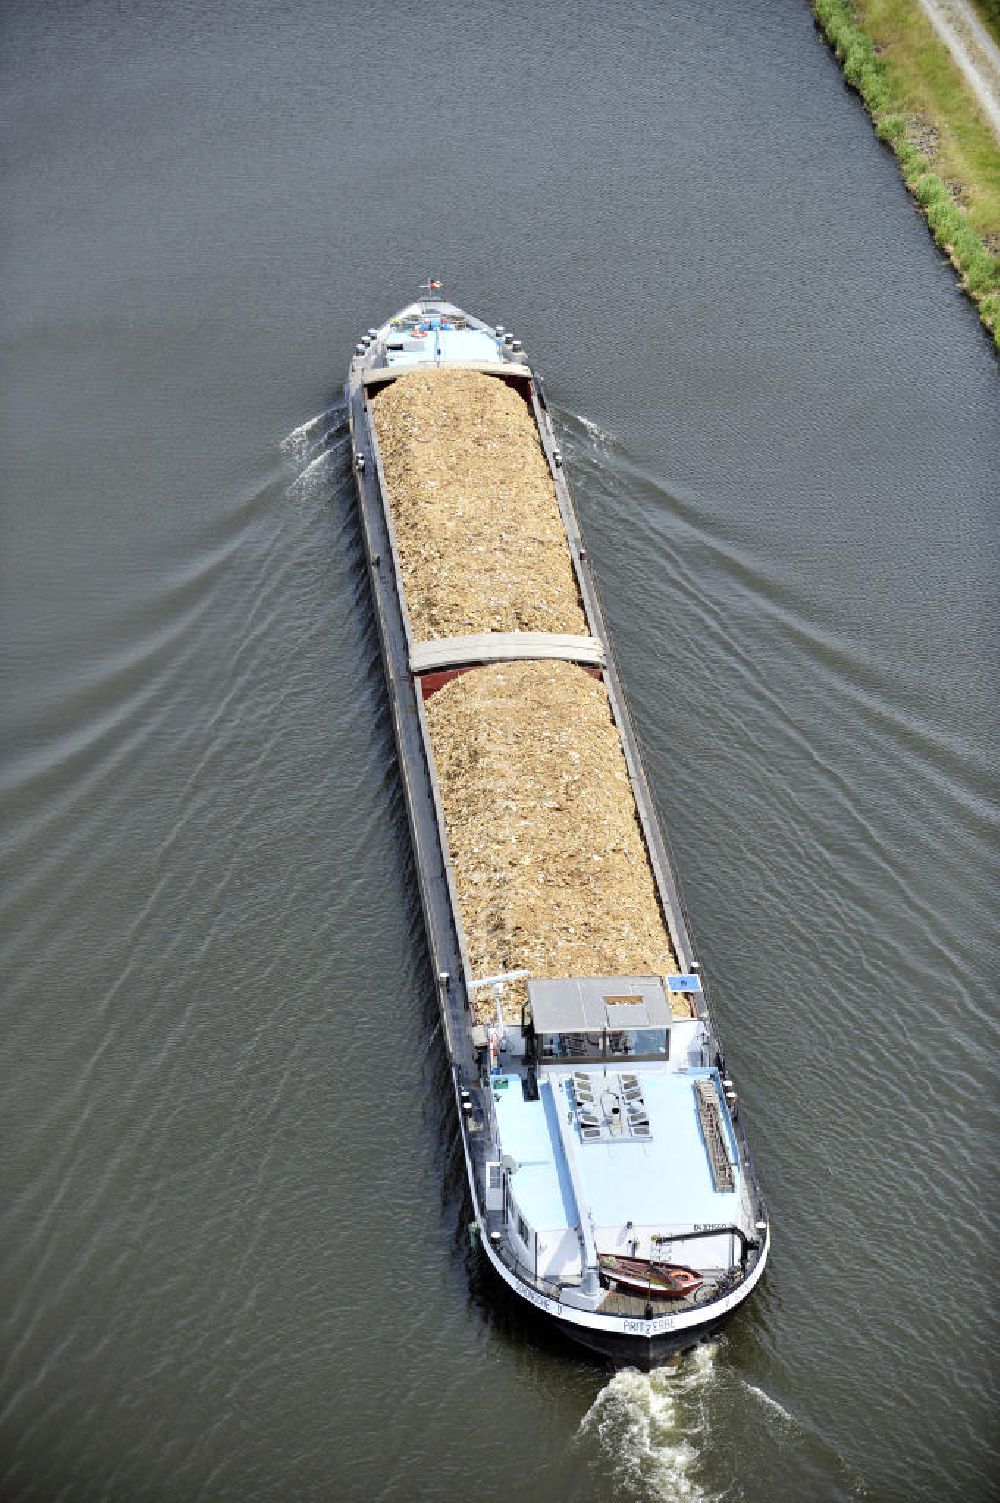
497	983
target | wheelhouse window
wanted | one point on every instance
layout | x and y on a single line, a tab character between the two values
625	1043
573	1045
612	1043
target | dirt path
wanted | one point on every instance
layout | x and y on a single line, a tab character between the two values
973	49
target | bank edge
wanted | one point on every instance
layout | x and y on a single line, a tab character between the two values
866	73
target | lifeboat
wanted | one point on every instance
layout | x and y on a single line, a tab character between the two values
639	1276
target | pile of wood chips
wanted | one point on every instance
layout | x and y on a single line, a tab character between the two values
481	543
549	858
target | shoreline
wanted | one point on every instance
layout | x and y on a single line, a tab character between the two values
921	107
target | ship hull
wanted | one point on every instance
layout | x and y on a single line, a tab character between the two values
652	1334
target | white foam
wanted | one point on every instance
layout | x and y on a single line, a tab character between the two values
594	431
649	1427
312	469
312	450
766	1399
298	441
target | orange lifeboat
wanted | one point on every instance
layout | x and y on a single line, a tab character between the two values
639	1276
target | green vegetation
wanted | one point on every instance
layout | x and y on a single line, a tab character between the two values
989	14
921	107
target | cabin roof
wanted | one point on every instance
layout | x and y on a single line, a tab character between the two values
587	1004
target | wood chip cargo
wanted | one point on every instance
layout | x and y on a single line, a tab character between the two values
550	865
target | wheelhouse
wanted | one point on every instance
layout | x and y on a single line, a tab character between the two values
580	1020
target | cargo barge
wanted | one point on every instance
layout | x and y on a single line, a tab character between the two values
610	1177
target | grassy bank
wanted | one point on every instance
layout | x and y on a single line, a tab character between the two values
921	107
989	14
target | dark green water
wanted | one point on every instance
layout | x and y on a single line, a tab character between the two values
235	1264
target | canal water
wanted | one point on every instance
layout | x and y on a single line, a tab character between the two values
235	1262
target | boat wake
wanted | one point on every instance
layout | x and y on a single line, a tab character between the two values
313	452
679	1434
593	431
650	1428
771	1404
306	443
